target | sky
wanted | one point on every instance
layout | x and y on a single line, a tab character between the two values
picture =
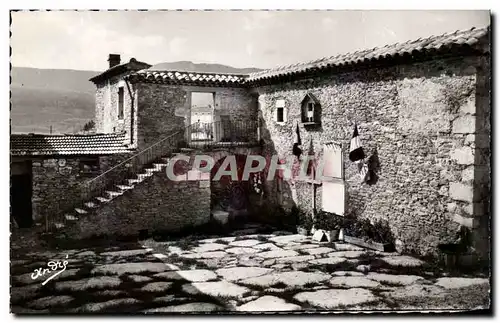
82	40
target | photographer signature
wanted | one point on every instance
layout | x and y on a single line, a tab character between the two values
53	266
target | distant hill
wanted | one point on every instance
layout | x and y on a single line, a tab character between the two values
188	66
65	99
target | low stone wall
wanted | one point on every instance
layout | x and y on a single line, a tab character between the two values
157	204
57	182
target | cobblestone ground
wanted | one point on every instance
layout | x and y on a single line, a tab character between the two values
276	272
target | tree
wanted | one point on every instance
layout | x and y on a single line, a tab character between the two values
89	126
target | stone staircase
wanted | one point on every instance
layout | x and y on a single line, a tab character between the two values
111	193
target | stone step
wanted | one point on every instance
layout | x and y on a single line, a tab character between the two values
91	205
80	211
102	199
144	176
59	225
159	166
132	181
124	187
70	217
150	170
113	194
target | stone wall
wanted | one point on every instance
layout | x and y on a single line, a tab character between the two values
161	113
157	204
106	115
419	125
57	182
164	109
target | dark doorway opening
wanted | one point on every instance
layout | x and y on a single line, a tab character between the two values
20	197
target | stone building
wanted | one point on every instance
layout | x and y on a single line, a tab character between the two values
422	109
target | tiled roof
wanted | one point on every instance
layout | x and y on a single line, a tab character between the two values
470	38
39	145
194	78
132	65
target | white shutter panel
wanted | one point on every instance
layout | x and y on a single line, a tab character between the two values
333	197
285	114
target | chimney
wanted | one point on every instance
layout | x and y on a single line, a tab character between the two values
114	59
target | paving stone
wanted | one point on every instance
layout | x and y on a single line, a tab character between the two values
88	253
253	262
288	238
268	303
277	254
415	290
216	289
347	273
206	255
363	268
176	250
299	265
241	250
212	240
353	281
347	254
196	275
110	293
288	260
125	253
340	246
268	262
139	278
19	262
101	282
237	273
160	256
22	310
99	307
209	247
403	261
51	301
21	294
267	247
156	287
328	261
318	251
190	307
333	298
394	279
302	246
133	268
245	243
459	282
290	278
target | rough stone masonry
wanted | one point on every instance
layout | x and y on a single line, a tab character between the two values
427	126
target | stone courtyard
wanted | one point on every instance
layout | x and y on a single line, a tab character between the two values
243	272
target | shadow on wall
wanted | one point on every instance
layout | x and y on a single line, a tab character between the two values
482	161
373	168
277	202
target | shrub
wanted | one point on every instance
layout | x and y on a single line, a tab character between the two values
328	221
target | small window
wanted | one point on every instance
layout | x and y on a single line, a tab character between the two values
89	166
280	115
280	111
120	103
